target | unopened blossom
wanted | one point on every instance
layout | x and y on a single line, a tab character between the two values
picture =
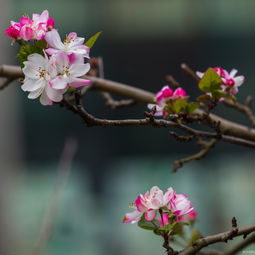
28	29
69	68
38	72
72	44
163	96
149	203
179	93
230	82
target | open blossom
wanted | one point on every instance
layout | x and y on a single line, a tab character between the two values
230	82
164	95
155	204
69	68
181	205
148	204
38	73
28	29
72	44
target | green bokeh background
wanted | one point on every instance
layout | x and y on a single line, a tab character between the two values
142	41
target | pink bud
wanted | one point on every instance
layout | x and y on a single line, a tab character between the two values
25	21
179	93
50	23
164	94
12	32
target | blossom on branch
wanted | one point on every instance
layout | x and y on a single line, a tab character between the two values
166	208
69	68
230	82
72	44
28	29
167	100
39	71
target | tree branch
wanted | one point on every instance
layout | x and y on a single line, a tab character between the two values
246	109
221	237
234	130
240	246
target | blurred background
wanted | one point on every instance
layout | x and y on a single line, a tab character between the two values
142	41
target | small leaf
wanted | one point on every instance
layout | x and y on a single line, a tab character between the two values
210	82
204	97
27	50
191	107
149	225
178	228
91	41
179	105
167	227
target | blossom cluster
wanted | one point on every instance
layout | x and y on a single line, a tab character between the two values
164	96
230	82
27	29
49	71
155	204
216	82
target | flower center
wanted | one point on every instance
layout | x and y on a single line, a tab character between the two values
66	71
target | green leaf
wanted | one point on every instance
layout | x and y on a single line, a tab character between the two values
191	107
179	105
167	227
27	50
91	41
210	82
177	228
149	225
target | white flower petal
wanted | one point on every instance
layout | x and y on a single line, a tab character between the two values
53	39
37	60
32	85
54	94
36	93
60	82
239	80
44	99
232	74
78	70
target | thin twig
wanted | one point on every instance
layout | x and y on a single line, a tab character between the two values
244	108
230	128
189	71
63	174
207	146
110	102
171	80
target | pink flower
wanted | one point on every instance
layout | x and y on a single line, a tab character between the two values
13	31
163	220
181	205
230	82
69	69
28	29
72	44
163	95
179	93
149	203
